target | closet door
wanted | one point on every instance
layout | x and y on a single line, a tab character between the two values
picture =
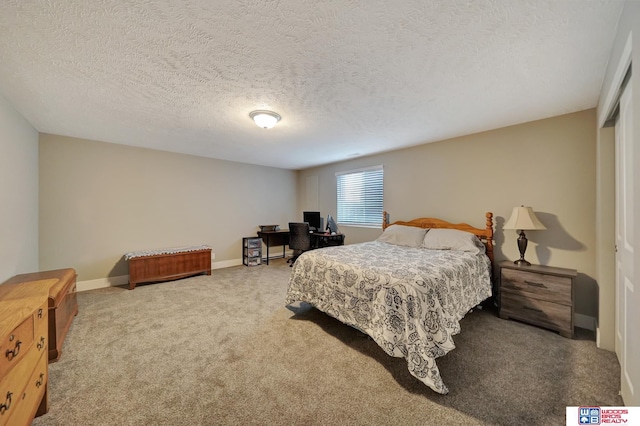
627	339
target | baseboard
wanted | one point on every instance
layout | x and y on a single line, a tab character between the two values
124	279
102	283
585	321
226	264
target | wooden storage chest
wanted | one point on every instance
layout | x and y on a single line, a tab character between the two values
175	264
63	303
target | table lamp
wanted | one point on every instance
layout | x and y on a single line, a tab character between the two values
522	218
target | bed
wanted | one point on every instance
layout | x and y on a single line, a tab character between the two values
405	290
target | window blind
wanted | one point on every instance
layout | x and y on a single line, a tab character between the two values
360	196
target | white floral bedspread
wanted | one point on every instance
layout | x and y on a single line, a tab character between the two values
408	300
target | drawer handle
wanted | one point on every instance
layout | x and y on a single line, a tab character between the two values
40	344
40	313
533	309
40	380
11	354
7	404
534	284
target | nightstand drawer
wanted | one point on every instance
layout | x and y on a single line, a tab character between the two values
535	311
540	286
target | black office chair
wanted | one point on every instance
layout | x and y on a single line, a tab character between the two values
299	239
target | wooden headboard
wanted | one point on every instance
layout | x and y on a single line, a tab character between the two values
485	235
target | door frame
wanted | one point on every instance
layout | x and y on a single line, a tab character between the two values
606	228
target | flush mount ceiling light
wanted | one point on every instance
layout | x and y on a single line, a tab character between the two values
265	119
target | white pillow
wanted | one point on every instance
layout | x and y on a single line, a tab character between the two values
401	235
452	239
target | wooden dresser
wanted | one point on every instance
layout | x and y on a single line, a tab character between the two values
539	295
63	303
23	352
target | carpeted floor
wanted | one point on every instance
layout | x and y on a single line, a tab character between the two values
223	350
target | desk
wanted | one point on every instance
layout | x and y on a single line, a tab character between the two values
281	238
274	239
319	240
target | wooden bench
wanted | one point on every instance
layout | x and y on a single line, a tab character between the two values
169	264
63	303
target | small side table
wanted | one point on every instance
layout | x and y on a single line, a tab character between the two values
538	295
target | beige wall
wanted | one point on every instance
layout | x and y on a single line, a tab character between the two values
605	236
100	200
547	164
18	193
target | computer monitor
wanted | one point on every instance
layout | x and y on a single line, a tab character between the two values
313	219
332	226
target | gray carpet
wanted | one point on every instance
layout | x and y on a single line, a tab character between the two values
223	350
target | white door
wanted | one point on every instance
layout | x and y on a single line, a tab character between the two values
627	342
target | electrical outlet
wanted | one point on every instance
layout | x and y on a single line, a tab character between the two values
213	256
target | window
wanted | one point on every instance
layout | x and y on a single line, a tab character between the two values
360	197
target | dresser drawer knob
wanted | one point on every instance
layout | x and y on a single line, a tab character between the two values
533	309
7	404
534	284
11	354
40	380
40	344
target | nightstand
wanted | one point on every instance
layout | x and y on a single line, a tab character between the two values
539	295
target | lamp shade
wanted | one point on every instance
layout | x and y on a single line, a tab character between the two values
265	119
523	218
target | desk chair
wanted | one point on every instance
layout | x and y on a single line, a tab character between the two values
299	239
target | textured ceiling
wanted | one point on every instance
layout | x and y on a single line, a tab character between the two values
349	78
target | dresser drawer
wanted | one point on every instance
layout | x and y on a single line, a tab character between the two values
41	332
540	286
23	351
15	345
536	311
13	385
27	401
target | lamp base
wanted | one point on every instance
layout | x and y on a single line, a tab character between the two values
522	247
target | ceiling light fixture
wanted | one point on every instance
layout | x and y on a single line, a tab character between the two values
265	119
